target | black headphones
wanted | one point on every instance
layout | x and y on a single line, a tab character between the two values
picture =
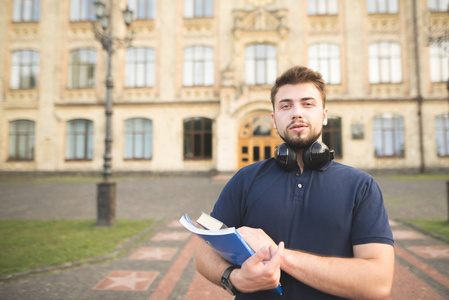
314	157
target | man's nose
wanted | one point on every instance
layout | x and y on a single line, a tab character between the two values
296	112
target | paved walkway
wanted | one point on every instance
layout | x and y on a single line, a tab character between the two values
161	267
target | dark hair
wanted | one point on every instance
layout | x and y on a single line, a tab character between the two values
297	75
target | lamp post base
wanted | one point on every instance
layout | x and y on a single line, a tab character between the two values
106	192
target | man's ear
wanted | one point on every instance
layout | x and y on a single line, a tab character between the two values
325	117
274	121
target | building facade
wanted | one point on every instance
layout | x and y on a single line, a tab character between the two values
192	93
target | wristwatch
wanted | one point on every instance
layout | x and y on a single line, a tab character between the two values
226	282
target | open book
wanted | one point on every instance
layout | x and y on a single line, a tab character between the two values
227	242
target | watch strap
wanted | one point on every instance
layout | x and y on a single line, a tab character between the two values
226	282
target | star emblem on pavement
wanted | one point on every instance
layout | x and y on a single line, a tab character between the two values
171	236
154	254
127	281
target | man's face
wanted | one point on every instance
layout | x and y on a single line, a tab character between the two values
299	114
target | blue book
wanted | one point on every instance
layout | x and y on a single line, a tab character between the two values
227	242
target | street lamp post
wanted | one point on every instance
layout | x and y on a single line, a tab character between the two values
106	190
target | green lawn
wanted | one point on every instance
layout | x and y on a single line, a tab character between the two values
28	244
436	227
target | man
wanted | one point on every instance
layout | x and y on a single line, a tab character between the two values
323	234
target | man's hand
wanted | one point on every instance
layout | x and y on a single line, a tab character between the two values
260	272
256	238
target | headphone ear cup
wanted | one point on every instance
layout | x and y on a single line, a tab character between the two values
285	157
317	155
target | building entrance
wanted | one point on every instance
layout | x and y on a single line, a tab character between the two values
257	139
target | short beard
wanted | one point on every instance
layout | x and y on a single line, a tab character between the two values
299	143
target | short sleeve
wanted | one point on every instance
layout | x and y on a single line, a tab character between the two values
370	221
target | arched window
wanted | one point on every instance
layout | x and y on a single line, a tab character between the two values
439	62
197	138
79	140
198	9
82	10
198	69
21	140
322	7
442	134
140	67
385	63
438	5
260	64
138	138
325	58
382	6
143	9
24	69
332	136
388	135
82	68
26	11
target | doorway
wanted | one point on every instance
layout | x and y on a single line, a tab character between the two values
257	139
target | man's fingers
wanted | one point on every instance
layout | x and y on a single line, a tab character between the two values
276	253
258	257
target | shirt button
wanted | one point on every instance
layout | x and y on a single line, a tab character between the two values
299	185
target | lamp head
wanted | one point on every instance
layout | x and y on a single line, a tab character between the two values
99	9
127	16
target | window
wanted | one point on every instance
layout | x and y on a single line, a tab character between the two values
438	5
82	10
382	6
21	140
82	64
439	62
325	58
143	9
79	140
332	135
138	138
198	8
26	10
198	138
442	134
140	67
24	69
198	66
385	63
262	126
260	64
322	7
388	135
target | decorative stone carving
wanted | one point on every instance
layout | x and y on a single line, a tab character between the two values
384	23
387	90
324	25
259	19
22	99
80	96
81	31
199	93
198	26
143	29
140	95
25	32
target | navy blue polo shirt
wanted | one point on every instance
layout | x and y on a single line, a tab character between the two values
325	212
